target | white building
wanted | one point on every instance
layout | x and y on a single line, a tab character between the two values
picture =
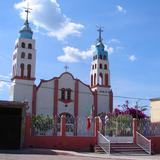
63	94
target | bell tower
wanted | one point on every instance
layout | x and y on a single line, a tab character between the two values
23	64
100	75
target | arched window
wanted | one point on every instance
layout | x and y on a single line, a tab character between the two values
104	57
92	66
100	79
100	66
105	66
29	56
23	45
28	71
95	66
95	79
62	94
22	55
91	80
68	94
22	69
69	123
29	46
100	56
106	79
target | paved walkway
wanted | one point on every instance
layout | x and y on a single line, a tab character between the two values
46	154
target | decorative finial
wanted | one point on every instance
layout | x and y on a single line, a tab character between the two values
27	10
66	68
100	30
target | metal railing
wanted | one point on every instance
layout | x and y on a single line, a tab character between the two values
143	142
104	143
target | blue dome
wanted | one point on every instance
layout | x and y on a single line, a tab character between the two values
100	50
26	31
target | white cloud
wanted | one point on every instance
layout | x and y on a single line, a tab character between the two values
3	85
47	15
121	9
5	77
132	58
72	54
114	40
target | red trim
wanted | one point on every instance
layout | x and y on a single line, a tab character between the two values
111	101
76	104
66	100
95	103
98	85
23	78
55	98
34	97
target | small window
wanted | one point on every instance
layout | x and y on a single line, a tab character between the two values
100	56
95	66
100	66
92	66
68	94
22	55
62	94
23	45
29	56
29	46
28	71
104	57
105	66
22	69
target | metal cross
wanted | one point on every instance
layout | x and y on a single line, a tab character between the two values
27	10
100	30
66	68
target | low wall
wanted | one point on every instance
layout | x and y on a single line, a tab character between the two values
62	143
155	140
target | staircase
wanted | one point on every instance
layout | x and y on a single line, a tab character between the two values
124	148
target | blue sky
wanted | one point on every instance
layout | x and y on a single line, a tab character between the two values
65	33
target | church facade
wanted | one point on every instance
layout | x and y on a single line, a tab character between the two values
63	94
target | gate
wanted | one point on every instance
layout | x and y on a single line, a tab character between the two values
118	129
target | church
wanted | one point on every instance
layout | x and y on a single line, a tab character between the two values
63	94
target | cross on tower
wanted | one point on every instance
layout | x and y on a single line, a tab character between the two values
100	30
27	10
66	68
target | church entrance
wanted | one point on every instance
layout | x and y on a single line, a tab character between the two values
10	126
69	124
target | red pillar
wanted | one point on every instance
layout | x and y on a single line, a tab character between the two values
27	133
134	130
97	127
63	125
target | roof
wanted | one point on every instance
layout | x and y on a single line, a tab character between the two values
13	104
155	99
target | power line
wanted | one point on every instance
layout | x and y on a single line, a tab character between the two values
83	92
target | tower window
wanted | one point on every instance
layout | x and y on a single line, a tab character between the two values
100	66
91	80
28	71
105	66
95	66
101	79
22	69
92	66
29	46
106	79
22	55
104	57
23	45
62	94
68	94
29	56
95	79
100	56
